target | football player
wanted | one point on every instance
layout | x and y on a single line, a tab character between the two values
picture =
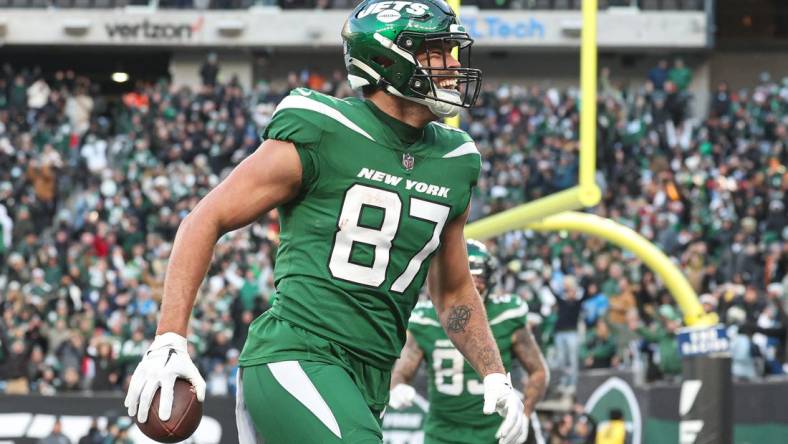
454	390
373	195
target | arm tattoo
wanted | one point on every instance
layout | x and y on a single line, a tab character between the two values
488	358
483	354
459	316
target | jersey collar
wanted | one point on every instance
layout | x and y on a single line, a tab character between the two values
406	134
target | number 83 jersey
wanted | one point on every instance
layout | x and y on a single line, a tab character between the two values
456	393
355	245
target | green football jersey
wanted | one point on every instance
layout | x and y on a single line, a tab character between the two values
355	245
456	393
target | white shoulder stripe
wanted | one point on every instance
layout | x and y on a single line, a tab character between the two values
421	320
465	148
512	313
447	127
301	102
292	378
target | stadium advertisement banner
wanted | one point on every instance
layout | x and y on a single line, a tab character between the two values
497	27
27	419
270	27
652	414
700	341
147	30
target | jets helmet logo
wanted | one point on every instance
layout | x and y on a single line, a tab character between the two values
388	12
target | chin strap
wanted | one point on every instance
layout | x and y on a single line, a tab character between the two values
440	109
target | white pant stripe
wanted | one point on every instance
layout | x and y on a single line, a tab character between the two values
292	378
247	434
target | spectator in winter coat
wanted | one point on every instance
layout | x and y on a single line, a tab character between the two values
599	348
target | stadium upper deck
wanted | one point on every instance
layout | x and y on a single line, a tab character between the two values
650	5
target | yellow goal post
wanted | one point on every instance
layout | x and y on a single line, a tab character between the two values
554	212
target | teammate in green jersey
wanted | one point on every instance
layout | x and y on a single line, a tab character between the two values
373	196
454	391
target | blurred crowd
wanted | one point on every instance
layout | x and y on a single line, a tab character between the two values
710	192
91	195
93	187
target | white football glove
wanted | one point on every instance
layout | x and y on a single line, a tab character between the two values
402	395
165	361
526	427
499	396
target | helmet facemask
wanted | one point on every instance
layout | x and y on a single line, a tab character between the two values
443	88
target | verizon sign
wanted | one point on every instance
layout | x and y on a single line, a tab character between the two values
147	30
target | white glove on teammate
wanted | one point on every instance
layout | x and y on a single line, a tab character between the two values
526	427
165	361
402	395
499	396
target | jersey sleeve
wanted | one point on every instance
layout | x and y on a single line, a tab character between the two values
473	160
461	151
510	313
296	121
421	322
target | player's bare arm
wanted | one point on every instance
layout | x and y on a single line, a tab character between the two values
462	314
408	362
525	348
459	305
267	178
402	394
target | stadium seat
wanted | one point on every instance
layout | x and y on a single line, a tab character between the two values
103	4
601	4
692	5
562	4
39	3
649	5
542	4
670	5
82	4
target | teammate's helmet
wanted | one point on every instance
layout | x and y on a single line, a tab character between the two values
481	263
382	38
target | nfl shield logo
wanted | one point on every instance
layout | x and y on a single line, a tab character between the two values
408	161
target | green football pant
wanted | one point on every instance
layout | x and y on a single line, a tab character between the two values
303	402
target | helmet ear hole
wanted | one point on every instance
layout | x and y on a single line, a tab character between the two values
384	62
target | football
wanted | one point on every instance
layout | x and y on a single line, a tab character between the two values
185	417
